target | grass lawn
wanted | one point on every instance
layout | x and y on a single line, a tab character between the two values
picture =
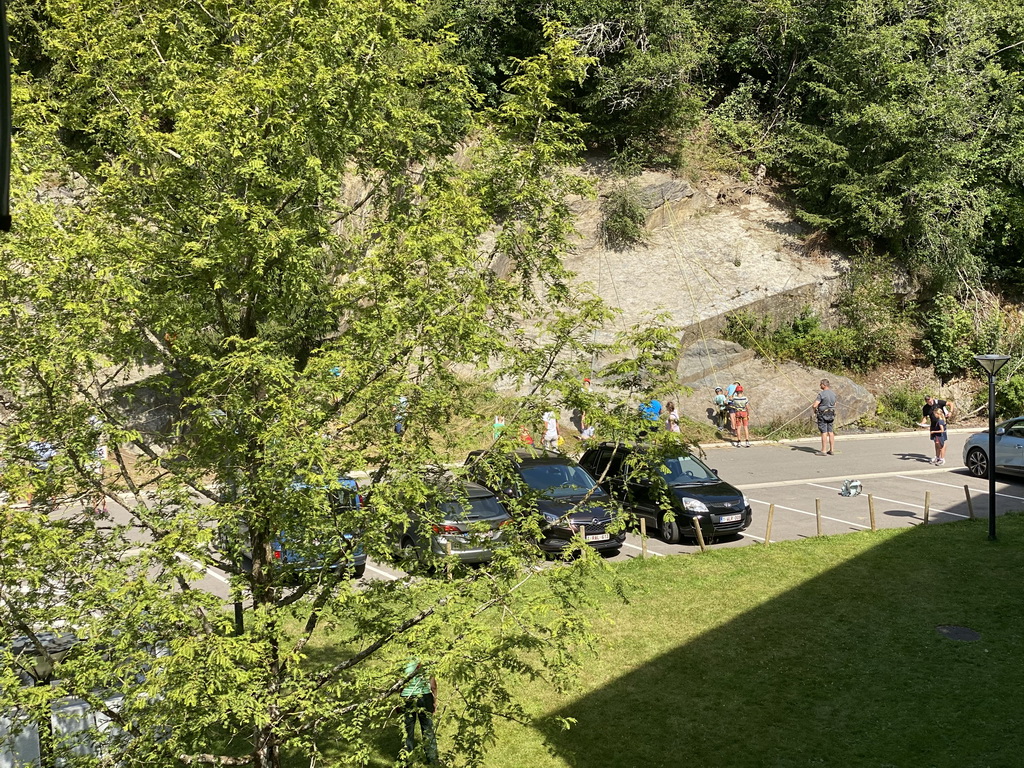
816	652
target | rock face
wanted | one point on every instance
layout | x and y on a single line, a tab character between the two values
710	249
780	393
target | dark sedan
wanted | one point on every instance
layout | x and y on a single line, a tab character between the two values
557	489
670	491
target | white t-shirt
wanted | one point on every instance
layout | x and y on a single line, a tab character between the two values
672	422
550	426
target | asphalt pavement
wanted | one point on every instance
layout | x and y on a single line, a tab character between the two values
893	469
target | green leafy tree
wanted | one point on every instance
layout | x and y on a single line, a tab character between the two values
640	88
253	239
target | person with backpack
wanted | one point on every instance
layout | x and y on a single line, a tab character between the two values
825	414
740	405
721	409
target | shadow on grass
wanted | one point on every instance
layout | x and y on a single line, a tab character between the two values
845	669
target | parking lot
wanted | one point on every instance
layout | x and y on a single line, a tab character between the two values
892	468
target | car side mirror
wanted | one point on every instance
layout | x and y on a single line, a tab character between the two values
1000	431
714	472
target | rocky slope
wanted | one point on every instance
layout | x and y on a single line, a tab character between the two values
712	249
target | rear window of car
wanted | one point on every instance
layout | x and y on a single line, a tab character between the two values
557	480
483	508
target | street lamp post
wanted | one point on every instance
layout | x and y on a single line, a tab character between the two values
991	364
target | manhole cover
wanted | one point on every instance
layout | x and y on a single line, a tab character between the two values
964	634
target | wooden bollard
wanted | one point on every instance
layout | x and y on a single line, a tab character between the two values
700	534
927	505
871	511
970	501
643	537
768	529
817	514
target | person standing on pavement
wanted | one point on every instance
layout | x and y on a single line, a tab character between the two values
721	408
825	415
729	392
419	702
931	403
550	440
938	434
671	417
741	413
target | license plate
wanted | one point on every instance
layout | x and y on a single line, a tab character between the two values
729	518
598	537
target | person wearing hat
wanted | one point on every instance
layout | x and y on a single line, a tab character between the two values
721	407
741	415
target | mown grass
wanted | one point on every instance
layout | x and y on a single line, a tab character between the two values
818	652
815	652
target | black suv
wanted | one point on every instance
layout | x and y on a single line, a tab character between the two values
680	483
557	489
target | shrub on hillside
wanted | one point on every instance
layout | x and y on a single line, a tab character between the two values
805	340
954	333
624	217
900	406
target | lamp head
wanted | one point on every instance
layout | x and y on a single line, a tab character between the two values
991	363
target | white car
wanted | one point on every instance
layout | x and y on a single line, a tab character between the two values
1009	449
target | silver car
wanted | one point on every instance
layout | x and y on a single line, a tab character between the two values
1009	449
469	525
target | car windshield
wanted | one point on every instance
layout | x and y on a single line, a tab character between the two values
557	480
679	470
477	509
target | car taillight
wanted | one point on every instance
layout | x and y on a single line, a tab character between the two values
505	522
446	529
277	554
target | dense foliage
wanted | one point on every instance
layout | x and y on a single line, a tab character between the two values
898	123
257	246
805	339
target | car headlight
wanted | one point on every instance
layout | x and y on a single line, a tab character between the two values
550	517
744	500
695	505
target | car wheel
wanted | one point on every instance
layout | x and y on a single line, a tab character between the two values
977	462
359	571
670	532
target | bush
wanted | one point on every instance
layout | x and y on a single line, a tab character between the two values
1009	397
805	340
624	217
900	406
954	333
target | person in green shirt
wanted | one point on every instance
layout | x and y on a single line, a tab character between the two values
419	703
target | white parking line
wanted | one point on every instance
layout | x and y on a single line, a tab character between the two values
951	485
839	478
811	514
201	567
649	550
936	510
385	574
